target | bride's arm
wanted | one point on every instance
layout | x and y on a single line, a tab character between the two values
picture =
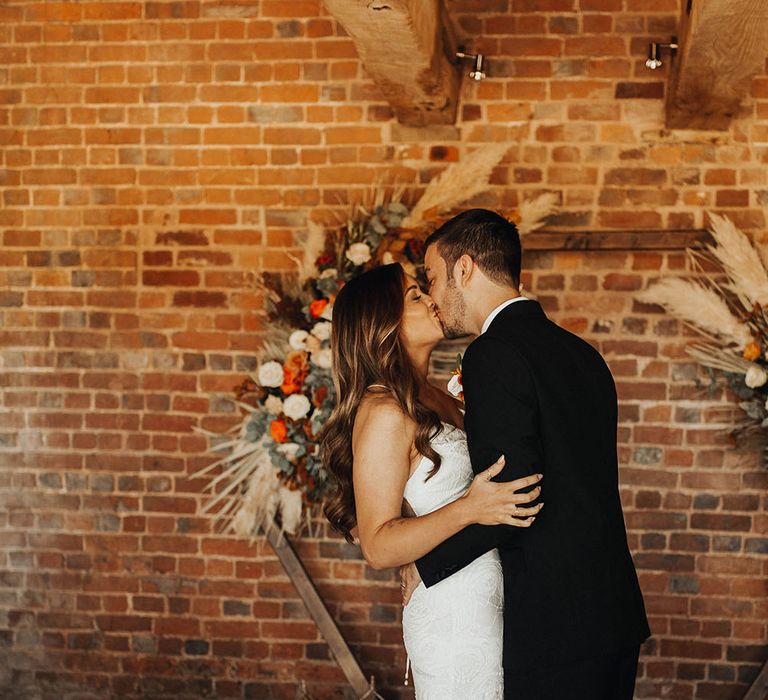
382	447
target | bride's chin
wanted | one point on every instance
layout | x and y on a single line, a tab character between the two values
437	339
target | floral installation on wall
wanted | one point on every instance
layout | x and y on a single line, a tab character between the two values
270	472
730	309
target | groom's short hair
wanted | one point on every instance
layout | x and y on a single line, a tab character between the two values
488	238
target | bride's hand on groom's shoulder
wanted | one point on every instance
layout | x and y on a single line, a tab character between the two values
492	503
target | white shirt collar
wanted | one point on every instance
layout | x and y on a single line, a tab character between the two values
498	310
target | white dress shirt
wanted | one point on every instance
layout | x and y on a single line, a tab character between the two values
498	310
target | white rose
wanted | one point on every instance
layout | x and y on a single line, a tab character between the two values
271	374
322	331
756	376
313	344
323	358
330	272
358	253
296	406
288	449
273	404
387	258
298	340
454	386
327	312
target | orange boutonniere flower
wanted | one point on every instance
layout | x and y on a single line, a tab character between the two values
455	385
278	431
317	307
752	351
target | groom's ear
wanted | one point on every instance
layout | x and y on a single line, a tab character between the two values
463	270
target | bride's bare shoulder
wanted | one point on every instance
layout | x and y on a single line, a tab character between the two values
380	413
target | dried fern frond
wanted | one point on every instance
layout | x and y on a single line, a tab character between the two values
740	260
534	212
702	308
250	493
457	183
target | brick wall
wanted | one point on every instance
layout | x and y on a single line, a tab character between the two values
155	156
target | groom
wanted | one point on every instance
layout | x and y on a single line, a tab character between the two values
574	617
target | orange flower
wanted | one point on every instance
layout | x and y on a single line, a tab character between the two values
752	351
321	394
290	387
317	307
278	431
295	370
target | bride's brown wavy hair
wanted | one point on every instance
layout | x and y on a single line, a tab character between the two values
367	349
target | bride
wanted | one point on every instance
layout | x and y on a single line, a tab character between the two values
395	447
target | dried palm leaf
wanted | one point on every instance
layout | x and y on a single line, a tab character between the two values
457	183
714	357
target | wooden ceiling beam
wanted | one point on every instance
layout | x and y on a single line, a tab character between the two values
722	45
406	46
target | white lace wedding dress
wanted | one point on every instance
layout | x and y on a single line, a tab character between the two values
453	630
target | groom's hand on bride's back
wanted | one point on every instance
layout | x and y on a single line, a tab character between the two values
493	503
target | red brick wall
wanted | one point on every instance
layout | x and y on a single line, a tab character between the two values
155	156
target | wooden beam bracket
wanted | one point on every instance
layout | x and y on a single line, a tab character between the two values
723	45
407	47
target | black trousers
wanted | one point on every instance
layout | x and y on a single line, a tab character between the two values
609	677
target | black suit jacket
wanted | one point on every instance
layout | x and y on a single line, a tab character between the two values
545	399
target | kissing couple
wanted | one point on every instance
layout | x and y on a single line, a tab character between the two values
503	597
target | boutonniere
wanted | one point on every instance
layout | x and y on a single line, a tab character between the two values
455	385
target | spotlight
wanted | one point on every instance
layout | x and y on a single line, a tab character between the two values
654	53
477	72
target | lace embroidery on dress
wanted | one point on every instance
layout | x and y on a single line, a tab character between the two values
453	631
